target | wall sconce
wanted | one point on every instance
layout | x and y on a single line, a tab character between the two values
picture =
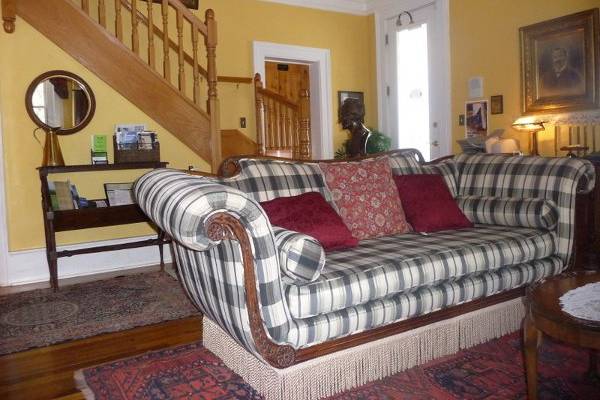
410	18
529	124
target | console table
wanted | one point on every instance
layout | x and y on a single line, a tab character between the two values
67	220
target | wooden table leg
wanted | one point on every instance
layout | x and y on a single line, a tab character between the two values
161	238
532	338
593	369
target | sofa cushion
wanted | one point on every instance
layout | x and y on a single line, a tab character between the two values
406	164
310	214
265	179
366	197
405	305
383	266
528	213
301	257
428	204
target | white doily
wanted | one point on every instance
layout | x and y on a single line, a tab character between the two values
583	302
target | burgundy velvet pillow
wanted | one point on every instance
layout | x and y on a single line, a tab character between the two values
428	204
310	214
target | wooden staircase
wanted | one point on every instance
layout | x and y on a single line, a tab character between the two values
107	36
282	125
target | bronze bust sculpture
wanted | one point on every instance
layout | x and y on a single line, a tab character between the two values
352	117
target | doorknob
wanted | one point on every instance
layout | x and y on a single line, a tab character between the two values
435	143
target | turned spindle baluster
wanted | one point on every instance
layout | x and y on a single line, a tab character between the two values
135	38
85	5
118	20
210	40
102	13
196	72
180	56
304	126
260	115
151	52
165	21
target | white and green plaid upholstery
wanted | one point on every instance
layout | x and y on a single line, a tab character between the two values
406	276
509	211
264	179
404	305
386	265
406	162
554	179
301	257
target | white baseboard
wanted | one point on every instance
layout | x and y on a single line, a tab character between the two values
30	266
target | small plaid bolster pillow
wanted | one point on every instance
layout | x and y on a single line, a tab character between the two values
506	211
301	257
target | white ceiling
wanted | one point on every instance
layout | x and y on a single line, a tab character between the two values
358	7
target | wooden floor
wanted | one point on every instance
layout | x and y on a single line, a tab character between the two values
47	373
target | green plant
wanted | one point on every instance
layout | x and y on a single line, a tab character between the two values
378	142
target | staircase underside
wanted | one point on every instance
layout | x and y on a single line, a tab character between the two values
71	29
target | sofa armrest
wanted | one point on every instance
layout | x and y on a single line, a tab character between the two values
528	213
226	254
559	180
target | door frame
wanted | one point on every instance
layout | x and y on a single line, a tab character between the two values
443	88
319	62
3	220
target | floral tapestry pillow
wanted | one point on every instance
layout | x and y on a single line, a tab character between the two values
366	196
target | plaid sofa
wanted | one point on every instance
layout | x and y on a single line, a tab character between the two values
523	209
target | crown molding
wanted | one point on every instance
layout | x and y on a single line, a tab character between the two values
356	7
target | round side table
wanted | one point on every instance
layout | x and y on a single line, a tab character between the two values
545	317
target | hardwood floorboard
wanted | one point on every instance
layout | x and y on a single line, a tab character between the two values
47	372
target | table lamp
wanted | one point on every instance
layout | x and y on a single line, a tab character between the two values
528	124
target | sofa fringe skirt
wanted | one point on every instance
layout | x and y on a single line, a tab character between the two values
350	368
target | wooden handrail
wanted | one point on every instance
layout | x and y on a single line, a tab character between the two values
277	97
281	124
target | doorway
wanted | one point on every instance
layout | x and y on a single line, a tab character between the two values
318	62
415	73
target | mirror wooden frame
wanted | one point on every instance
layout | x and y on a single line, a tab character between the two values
59	73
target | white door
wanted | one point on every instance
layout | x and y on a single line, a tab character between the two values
414	74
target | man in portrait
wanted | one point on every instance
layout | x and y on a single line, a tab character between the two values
557	75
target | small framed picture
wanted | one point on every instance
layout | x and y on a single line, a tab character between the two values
477	118
343	95
119	194
497	104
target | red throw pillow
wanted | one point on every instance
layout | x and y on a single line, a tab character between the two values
310	214
364	193
428	204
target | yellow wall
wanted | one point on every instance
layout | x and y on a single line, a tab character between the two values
28	54
484	38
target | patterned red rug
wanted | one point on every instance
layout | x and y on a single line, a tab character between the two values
493	370
43	317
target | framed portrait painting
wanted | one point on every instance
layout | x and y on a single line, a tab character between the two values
559	64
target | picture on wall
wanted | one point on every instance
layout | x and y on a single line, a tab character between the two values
559	64
477	118
343	95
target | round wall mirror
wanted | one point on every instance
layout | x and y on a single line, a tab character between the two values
60	100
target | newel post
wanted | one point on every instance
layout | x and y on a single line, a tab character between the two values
304	133
213	102
260	115
9	15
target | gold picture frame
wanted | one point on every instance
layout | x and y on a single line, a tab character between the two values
559	67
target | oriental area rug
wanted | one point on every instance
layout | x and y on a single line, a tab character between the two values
493	370
42	317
